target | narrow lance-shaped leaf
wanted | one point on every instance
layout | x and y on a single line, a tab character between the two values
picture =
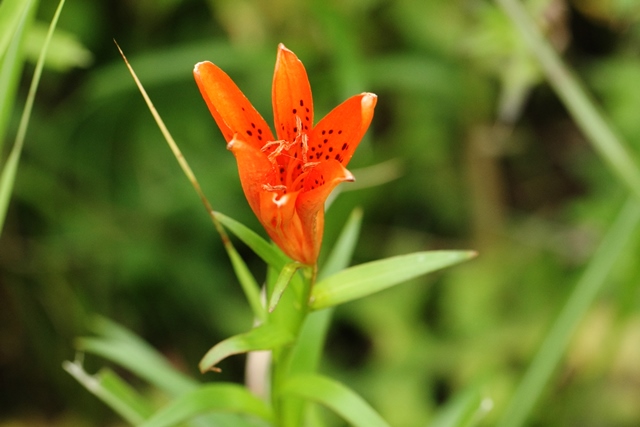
263	337
365	279
282	282
113	391
138	357
247	281
211	398
144	363
265	250
10	169
335	396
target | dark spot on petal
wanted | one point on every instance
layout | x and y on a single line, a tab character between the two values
339	132
330	149
307	118
295	129
259	138
325	140
249	133
242	108
313	148
299	166
324	131
326	157
295	111
253	125
260	131
345	146
301	103
307	109
338	158
330	131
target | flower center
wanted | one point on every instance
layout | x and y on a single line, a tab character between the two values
290	160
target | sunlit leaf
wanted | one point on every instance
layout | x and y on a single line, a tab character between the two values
365	279
335	396
11	14
263	337
65	51
210	398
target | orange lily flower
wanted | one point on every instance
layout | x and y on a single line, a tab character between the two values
287	179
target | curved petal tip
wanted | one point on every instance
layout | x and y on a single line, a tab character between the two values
369	100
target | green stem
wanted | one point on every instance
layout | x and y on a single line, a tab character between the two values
293	309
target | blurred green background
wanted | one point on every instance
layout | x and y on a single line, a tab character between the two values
474	150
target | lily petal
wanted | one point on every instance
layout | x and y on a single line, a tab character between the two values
255	171
319	183
338	134
231	110
291	93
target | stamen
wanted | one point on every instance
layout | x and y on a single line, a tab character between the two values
282	146
269	187
310	165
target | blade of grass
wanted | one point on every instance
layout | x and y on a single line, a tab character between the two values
249	286
546	360
577	101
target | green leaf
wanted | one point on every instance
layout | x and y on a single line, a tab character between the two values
211	398
247	281
11	14
15	18
365	279
335	396
263	337
282	282
65	51
112	390
125	349
10	169
268	252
